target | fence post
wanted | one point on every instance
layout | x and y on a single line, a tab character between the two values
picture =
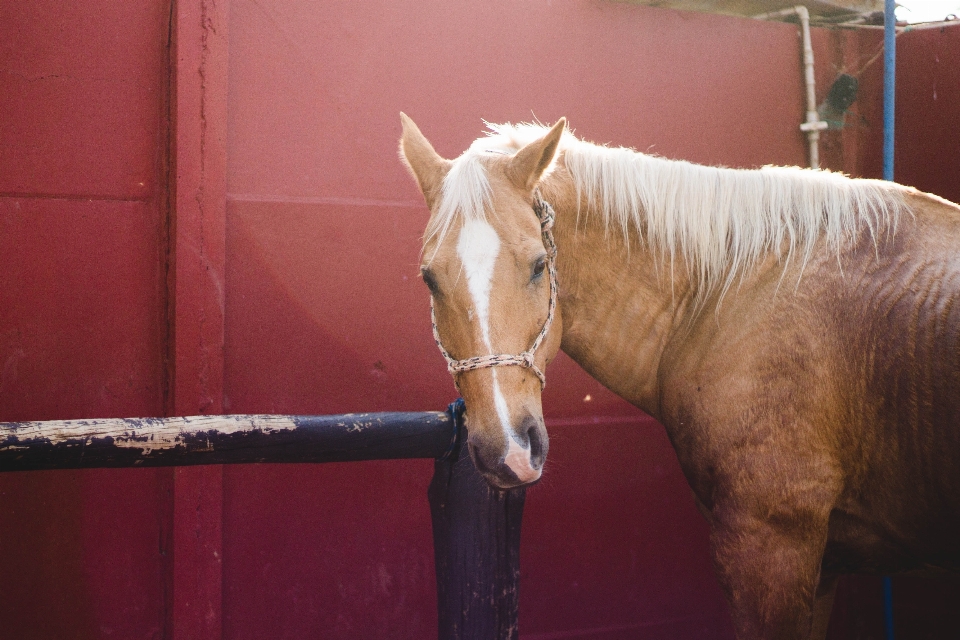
476	542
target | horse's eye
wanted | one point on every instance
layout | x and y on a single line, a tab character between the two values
538	267
430	280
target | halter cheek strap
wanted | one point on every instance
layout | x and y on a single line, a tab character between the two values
526	359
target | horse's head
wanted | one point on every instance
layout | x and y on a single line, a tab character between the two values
489	268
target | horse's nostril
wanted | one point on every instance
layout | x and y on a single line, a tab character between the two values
536	448
533	436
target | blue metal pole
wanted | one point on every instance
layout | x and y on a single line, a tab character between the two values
888	606
889	100
889	84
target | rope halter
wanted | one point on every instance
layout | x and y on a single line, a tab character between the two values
526	359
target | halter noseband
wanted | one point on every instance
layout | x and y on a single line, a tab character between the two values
545	214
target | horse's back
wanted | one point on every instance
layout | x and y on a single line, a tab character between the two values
895	319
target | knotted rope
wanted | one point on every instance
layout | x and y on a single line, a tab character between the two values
526	359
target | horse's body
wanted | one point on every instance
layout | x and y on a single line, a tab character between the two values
797	334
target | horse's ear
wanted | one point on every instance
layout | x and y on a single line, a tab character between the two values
529	163
424	163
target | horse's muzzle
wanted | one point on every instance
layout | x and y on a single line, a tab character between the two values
517	461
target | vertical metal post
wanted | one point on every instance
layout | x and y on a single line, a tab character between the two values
889	103
889	85
476	542
888	607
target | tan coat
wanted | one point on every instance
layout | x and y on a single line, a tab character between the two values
814	405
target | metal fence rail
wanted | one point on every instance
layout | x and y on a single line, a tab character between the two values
476	529
153	442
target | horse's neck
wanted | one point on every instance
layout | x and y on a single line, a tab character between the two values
620	305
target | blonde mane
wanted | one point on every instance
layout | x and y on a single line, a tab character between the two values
721	221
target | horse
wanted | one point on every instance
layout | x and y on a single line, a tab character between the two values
796	332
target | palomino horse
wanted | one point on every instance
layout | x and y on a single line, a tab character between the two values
797	333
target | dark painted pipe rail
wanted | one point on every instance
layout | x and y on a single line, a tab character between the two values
476	528
157	442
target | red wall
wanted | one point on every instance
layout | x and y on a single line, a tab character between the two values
83	91
201	210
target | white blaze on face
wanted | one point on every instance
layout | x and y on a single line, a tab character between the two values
478	248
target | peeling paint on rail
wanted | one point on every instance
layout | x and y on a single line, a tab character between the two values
147	434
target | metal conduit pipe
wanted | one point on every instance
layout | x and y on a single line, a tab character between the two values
889	103
889	84
813	124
